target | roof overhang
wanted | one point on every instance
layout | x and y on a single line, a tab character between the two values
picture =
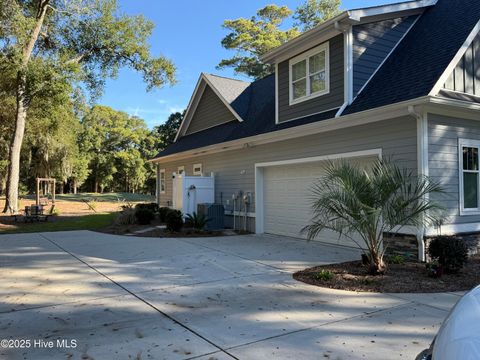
430	104
202	83
333	27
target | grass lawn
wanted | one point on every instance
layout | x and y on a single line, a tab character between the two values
85	222
74	213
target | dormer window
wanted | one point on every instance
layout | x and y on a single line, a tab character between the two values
309	74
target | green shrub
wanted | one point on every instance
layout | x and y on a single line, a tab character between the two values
162	212
126	206
126	217
324	275
153	207
144	216
434	270
450	252
197	221
397	260
174	220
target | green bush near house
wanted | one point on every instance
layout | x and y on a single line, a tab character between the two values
174	220
144	216
396	259
162	213
197	221
450	252
126	217
153	207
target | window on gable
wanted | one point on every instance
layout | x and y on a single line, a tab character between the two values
469	176
309	74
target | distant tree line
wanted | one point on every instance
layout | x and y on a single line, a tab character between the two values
85	149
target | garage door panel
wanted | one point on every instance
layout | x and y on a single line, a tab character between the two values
288	198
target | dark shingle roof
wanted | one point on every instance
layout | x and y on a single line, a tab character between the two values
420	59
233	91
259	119
410	72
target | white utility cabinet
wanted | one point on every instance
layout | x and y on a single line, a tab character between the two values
189	191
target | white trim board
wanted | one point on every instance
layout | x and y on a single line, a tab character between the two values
259	177
453	229
324	47
199	89
453	64
462	142
202	83
276	95
352	154
227	104
434	105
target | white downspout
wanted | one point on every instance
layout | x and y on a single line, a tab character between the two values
422	165
348	64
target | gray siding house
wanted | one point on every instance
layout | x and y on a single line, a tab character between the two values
399	81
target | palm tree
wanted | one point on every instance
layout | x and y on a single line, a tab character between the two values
353	201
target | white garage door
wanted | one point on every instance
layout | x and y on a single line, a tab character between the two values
287	199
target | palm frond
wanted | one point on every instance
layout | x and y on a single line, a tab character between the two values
353	201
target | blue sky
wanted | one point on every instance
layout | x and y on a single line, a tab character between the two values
189	33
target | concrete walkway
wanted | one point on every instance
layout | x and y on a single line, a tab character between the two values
118	297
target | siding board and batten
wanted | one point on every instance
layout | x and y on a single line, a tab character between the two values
334	99
372	43
466	76
211	111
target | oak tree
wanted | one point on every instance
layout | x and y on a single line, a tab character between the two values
47	43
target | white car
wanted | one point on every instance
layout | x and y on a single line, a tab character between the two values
459	335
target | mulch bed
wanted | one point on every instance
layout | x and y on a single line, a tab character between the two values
410	277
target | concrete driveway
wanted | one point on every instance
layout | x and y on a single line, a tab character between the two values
86	295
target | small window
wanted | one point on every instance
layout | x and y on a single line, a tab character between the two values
181	170
162	181
197	169
309	74
469	175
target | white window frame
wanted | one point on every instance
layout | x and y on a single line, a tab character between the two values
181	170
305	56
162	181
198	173
461	144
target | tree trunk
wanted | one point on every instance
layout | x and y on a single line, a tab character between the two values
377	265
75	187
13	177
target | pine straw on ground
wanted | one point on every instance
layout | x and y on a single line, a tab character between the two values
410	277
